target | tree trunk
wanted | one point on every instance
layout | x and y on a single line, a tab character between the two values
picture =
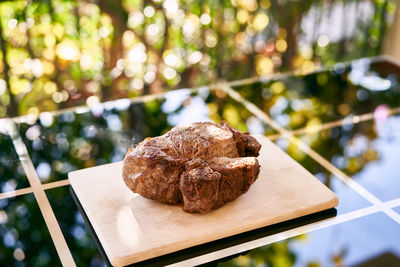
12	109
118	17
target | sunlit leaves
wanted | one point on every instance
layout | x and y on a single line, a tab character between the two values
134	47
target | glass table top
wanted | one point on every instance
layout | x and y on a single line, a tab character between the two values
11	171
341	124
87	137
366	151
25	239
349	199
397	209
73	227
345	244
295	101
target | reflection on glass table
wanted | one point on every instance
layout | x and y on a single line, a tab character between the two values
397	209
88	137
296	101
366	151
364	148
350	243
80	243
11	172
25	239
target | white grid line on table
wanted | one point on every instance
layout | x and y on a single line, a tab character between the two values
278	237
352	215
86	108
27	190
289	233
391	213
15	193
354	119
334	170
313	154
347	180
393	203
44	205
277	76
56	184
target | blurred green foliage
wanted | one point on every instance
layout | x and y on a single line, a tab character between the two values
61	53
56	54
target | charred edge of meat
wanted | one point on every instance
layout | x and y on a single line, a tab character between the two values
252	146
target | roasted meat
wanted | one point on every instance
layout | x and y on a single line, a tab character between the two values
202	165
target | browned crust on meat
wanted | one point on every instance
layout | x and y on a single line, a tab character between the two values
202	165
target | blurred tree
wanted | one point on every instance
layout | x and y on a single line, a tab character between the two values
56	54
12	104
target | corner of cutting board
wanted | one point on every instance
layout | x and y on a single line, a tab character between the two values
331	202
334	201
71	176
117	262
72	173
125	260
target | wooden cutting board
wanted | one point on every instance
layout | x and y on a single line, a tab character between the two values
132	228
